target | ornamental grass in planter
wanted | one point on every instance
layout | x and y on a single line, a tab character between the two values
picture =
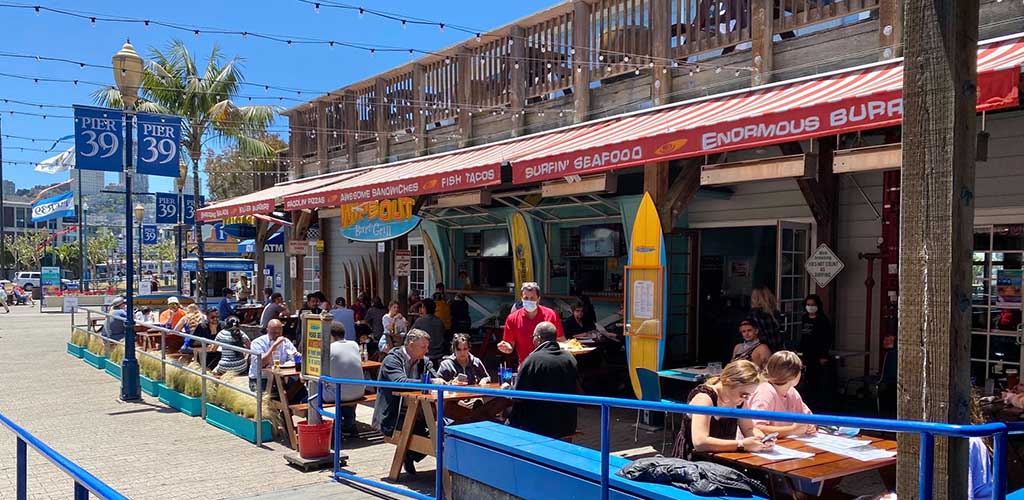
181	390
95	353
235	411
149	375
77	344
114	361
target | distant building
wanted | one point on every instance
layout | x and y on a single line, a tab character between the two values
140	183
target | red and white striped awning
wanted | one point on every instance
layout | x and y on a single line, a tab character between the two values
265	201
844	101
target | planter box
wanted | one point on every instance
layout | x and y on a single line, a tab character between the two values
97	361
236	424
114	369
150	386
75	350
186	404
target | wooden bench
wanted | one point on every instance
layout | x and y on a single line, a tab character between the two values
532	466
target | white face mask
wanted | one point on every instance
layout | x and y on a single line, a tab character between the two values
530	305
811	309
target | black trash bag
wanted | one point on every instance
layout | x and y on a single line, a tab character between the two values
702	478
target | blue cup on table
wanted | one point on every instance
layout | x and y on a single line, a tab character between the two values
505	375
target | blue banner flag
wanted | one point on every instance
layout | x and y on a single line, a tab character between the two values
166	208
190	208
54	208
159	149
149	234
99	139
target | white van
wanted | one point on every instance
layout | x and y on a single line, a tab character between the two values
27	280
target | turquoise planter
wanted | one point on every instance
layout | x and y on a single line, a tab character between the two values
150	386
236	424
75	350
190	406
98	362
113	369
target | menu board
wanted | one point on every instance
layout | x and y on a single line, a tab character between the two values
314	344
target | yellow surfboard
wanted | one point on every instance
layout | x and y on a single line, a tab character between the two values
645	293
522	253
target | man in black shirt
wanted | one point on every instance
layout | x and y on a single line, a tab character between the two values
548	368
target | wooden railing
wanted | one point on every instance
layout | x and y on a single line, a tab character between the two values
566	46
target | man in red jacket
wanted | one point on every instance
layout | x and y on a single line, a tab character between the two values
520	325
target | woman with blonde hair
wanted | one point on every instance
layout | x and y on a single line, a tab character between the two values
192	318
764	314
778	393
704	433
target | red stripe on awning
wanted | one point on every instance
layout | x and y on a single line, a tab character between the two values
265	201
846	101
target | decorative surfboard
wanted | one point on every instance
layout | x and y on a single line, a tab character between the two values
367	274
522	253
374	278
645	293
348	282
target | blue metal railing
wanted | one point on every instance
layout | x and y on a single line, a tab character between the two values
927	430
84	481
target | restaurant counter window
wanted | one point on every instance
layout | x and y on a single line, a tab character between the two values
491	257
997	267
593	256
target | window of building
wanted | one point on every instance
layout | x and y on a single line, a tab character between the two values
997	267
417	270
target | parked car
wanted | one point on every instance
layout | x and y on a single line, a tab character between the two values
27	280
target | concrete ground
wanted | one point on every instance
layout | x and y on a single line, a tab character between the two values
146	450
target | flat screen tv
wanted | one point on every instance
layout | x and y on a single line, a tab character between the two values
599	241
495	243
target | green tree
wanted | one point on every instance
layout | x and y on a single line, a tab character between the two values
174	84
233	173
68	255
27	248
100	248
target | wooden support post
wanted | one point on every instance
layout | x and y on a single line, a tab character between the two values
301	226
822	197
682	190
661	47
464	95
936	234
419	120
322	137
762	46
261	257
890	29
380	109
351	121
328	237
517	87
656	184
581	59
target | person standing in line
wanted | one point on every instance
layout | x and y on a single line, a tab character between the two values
816	337
764	314
520	324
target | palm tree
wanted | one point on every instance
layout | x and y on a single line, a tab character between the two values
174	85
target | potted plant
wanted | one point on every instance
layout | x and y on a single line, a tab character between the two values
95	353
235	411
149	375
78	343
114	361
181	391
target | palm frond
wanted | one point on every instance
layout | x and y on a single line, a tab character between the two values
109	97
254	148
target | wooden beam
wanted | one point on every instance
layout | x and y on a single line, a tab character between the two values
778	167
262	233
868	159
661	46
890	29
576	185
821	194
581	74
351	119
419	120
463	88
329	238
323	162
682	190
937	221
762	47
517	86
380	112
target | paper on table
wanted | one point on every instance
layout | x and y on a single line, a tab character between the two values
819	440
864	453
782	453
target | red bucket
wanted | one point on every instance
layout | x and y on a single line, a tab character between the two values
315	440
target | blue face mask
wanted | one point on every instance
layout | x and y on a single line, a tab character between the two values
530	305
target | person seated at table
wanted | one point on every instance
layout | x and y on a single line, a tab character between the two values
210	325
430	323
190	321
226	307
113	327
549	368
342	314
574	324
979	458
751	349
266	348
778	392
173	314
703	433
274	310
232	361
408	364
346	362
521	324
268	296
21	296
462	365
394	328
146	315
312	305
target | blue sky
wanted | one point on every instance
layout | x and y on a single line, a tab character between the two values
298	66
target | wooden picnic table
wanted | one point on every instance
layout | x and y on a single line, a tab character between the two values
812	477
250	314
426	404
